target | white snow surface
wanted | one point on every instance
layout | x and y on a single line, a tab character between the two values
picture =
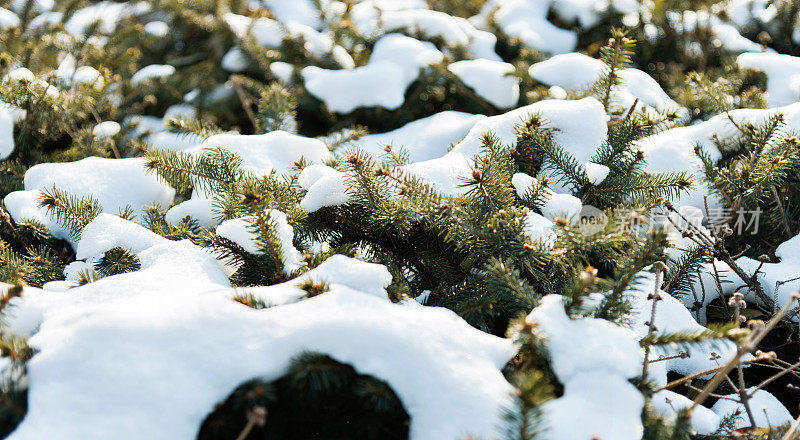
106	129
576	72
596	173
395	63
423	139
114	183
581	129
490	80
164	344
593	359
263	153
6	131
153	71
783	75
673	150
767	410
240	232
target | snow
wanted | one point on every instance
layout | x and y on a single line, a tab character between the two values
395	63
108	231
490	80
20	74
198	209
522	183
455	31
153	71
8	19
240	231
668	403
163	345
283	71
539	229
771	274
369	278
320	44
107	14
672	317
576	72
299	11
324	186
725	34
527	20
234	60
158	29
6	131
423	139
593	359
106	129
673	150
783	75
265	31
580	128
113	183
596	173
263	153
87	75
767	410
563	206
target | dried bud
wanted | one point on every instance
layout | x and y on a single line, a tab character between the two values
387	148
476	174
659	267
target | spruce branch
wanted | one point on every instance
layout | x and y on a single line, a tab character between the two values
72	212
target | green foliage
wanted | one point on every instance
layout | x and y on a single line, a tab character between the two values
616	56
470	253
758	175
316	395
117	260
73	213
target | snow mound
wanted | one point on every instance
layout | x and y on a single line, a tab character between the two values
672	317
593	358
783	75
164	344
423	139
326	187
580	128
673	150
395	63
263	153
576	72
114	183
767	410
369	278
490	80
240	232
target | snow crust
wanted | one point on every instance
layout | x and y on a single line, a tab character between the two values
240	231
153	71
114	183
423	139
395	63
167	343
593	358
576	72
581	128
767	410
783	75
673	150
490	80
263	153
